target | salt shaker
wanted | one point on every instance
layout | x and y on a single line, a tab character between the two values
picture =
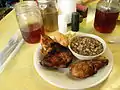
62	23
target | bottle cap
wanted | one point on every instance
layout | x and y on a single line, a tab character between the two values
75	21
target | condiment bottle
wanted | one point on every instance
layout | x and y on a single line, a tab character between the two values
75	21
82	9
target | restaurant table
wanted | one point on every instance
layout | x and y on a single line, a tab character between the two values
20	74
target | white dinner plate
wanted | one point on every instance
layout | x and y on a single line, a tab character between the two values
61	79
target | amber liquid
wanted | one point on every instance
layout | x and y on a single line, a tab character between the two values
33	34
105	21
50	21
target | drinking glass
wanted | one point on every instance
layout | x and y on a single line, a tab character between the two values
30	21
107	12
50	14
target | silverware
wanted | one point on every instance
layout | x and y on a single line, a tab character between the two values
12	43
114	40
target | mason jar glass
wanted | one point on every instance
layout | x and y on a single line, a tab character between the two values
30	21
107	12
49	14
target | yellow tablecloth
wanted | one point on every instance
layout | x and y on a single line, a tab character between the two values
20	73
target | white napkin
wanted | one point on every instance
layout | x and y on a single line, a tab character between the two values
10	50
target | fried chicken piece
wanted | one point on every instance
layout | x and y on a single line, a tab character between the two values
58	57
99	63
86	68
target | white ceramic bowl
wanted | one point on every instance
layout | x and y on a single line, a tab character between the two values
83	57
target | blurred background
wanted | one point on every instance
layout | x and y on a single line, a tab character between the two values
7	5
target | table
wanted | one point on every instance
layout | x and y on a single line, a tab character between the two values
20	73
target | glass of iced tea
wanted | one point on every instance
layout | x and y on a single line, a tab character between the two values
50	14
30	21
107	12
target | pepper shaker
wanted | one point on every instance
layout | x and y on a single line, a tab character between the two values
75	21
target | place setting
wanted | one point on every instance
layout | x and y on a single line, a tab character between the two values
69	61
66	57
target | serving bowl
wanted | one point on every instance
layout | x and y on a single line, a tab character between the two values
89	46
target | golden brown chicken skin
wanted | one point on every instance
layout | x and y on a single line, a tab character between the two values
58	57
55	54
46	42
86	68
